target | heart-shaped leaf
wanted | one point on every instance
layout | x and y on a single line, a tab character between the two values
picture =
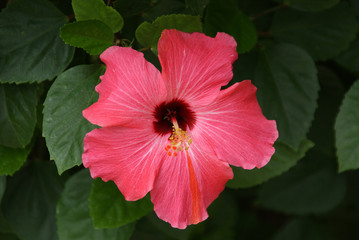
30	47
64	127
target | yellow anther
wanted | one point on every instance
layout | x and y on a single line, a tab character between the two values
179	140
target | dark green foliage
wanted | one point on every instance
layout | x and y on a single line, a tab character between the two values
225	16
349	58
73	210
64	127
109	208
30	47
164	7
17	114
322	34
131	8
309	5
12	159
307	188
347	130
92	35
97	10
2	186
302	55
147	34
301	229
29	202
283	159
197	6
287	83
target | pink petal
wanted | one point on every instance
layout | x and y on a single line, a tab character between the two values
235	125
129	90
195	66
187	184
129	156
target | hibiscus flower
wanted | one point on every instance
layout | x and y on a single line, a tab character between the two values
174	133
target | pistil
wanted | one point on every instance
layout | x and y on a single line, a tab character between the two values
180	140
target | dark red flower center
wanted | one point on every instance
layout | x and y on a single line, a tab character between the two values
178	109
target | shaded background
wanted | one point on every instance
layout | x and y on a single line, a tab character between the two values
303	56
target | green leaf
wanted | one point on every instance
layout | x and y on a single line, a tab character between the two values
92	35
64	127
97	10
131	8
30	47
347	130
283	159
300	229
310	5
349	59
224	16
12	159
312	186
17	114
322	34
109	208
73	214
288	87
29	202
148	34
